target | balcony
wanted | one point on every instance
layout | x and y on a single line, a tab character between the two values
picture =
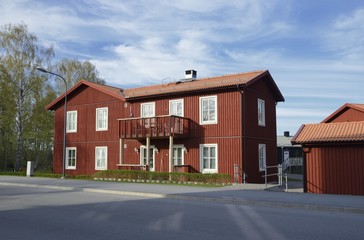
154	127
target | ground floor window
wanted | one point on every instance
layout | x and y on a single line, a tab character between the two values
178	155
143	157
101	158
208	158
262	156
71	158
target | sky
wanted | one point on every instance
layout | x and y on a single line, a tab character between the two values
314	49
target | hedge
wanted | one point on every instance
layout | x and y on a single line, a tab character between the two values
163	176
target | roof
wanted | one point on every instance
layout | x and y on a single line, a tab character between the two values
342	109
112	91
190	85
284	141
330	133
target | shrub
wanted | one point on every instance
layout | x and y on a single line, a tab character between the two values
165	176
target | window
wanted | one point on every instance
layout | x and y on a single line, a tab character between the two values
71	158
143	157
208	158
261	112
176	107
178	155
208	110
147	110
101	158
262	156
71	121
101	119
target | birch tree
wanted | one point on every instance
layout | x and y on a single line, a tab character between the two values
19	56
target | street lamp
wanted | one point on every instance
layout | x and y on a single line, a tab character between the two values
65	117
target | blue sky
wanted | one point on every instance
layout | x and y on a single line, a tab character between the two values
314	49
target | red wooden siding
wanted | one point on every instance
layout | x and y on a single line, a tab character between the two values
87	138
337	169
349	115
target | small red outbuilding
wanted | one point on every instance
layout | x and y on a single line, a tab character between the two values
334	152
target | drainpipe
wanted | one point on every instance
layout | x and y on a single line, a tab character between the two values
243	130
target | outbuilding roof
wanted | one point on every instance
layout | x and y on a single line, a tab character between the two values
330	133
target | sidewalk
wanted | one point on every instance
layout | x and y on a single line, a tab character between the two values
241	194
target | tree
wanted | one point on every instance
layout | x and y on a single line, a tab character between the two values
74	70
19	56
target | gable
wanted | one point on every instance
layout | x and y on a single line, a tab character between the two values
346	113
87	92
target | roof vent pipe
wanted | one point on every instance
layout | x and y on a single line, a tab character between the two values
191	74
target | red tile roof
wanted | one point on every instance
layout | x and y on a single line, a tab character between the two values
202	84
330	132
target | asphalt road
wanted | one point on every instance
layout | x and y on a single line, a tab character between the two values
46	213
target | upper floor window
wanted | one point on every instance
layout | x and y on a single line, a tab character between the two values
262	156
71	125
208	158
71	158
208	110
176	107
147	109
101	119
261	112
101	158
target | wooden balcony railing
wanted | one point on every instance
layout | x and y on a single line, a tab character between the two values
154	127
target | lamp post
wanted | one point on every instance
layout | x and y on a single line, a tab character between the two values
65	117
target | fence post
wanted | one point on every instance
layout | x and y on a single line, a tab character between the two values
265	176
280	172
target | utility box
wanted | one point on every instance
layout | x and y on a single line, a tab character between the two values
30	168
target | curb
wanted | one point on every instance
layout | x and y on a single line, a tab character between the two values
234	201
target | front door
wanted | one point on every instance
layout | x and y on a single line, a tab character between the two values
143	157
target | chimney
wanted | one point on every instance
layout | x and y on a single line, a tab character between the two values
190	74
286	133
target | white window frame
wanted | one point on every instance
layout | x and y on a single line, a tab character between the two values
68	125
142	156
178	147
261	112
142	113
262	156
172	107
104	121
208	170
208	121
68	166
97	165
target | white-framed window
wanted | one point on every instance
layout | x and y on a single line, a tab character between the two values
176	107
71	156
178	156
143	157
208	110
262	156
147	109
261	112
208	158
71	125
101	158
101	119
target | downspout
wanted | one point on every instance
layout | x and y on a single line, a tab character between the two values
243	131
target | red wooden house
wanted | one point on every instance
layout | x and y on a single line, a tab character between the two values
334	152
209	125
